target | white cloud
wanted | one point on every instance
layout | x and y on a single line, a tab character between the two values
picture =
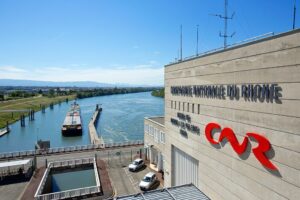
11	69
139	74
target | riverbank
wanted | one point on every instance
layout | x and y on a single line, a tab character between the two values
7	108
159	93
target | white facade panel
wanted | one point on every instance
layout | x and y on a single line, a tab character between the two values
185	168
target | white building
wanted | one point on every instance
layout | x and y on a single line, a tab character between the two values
232	121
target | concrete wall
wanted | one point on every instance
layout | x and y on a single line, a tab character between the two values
222	173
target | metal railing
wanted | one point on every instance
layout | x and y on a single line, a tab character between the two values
253	39
68	149
73	162
68	193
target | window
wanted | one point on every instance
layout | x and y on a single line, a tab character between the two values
156	135
151	130
193	108
198	108
188	107
162	137
146	128
183	106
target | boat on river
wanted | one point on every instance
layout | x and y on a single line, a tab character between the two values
4	131
72	124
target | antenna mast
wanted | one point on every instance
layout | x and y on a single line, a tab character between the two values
294	19
197	41
181	42
225	17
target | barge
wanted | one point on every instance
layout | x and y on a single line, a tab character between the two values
4	131
72	123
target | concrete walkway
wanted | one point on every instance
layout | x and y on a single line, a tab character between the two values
12	191
92	129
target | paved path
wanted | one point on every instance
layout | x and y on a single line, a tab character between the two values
12	191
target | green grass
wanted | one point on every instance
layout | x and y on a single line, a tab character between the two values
26	104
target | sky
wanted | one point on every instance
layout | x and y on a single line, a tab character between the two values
122	41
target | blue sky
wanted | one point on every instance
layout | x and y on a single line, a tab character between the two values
121	41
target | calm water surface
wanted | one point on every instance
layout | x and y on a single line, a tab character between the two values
72	180
122	119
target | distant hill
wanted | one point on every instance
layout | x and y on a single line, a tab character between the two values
30	83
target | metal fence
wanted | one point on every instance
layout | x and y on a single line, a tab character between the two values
68	193
122	157
253	39
58	150
74	162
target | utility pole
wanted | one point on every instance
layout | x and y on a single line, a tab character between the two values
294	18
197	40
225	17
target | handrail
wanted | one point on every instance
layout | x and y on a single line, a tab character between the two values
55	150
227	47
69	193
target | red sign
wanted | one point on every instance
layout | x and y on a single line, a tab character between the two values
259	151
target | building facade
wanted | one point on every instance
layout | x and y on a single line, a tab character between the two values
232	121
154	137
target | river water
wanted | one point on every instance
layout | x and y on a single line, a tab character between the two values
122	119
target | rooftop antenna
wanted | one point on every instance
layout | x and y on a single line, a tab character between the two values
197	40
180	58
225	17
294	18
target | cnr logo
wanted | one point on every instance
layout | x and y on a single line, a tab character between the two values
259	151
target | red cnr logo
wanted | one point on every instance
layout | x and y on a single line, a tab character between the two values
259	151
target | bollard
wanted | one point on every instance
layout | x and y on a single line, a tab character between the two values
108	157
34	162
140	153
22	120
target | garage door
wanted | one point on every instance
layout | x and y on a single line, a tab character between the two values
185	168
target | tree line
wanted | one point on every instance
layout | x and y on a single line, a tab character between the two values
110	91
80	93
158	93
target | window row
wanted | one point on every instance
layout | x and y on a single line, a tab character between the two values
159	136
186	107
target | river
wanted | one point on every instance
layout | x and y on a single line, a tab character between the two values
122	119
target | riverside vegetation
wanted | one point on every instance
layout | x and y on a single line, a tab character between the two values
31	103
158	93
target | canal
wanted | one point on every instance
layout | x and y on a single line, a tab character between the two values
122	119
